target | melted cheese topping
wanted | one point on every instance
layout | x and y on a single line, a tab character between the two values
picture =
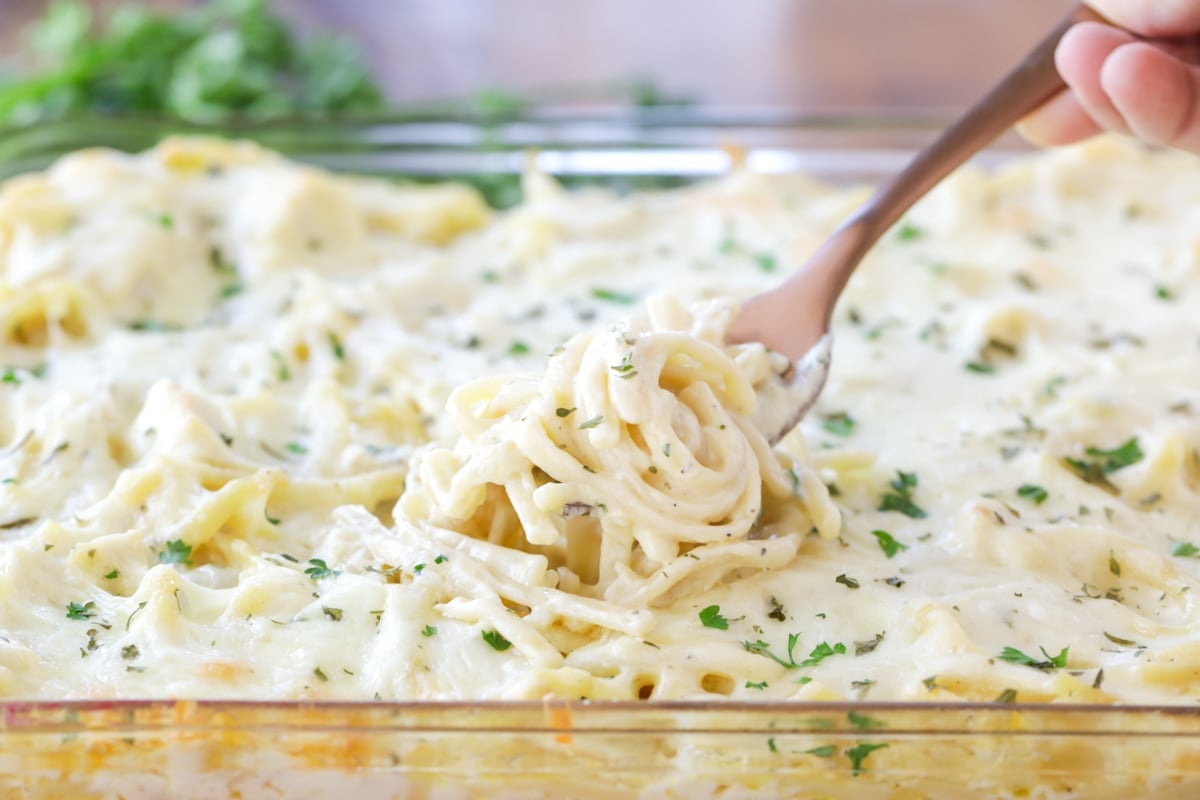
267	432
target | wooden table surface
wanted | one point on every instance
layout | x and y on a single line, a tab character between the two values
826	55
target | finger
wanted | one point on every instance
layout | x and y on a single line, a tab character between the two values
1061	120
1152	17
1155	93
1080	57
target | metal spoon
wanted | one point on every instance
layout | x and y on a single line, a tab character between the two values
793	319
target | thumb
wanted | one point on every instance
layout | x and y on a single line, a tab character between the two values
1157	94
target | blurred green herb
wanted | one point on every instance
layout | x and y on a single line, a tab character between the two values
230	57
237	59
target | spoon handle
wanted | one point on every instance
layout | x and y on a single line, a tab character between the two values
1031	83
1034	81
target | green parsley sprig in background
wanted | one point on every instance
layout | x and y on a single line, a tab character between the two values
230	57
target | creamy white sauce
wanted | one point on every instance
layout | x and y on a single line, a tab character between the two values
299	336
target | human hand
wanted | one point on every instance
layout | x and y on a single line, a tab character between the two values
1120	83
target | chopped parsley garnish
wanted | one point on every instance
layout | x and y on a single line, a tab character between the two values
495	640
1104	463
281	368
859	753
231	290
862	648
900	498
217	259
821	652
129	619
1119	640
1164	293
177	552
1114	566
1032	492
441	559
839	423
16	376
876	331
710	617
428	631
1119	457
1050	388
1090	472
765	262
888	543
518	348
1185	550
335	344
979	367
334	614
993	346
763	649
1008	696
296	447
758	685
1015	656
907	232
826	751
129	652
389	573
84	611
795	480
1039	240
612	296
848	582
320	673
112	576
591	423
319	570
166	220
563	412
777	611
625	370
152	326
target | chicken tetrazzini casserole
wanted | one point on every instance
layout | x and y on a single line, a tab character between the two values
268	432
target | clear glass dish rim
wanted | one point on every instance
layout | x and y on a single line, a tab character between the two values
553	716
887	138
681	116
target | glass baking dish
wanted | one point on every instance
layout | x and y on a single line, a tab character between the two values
158	748
655	148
